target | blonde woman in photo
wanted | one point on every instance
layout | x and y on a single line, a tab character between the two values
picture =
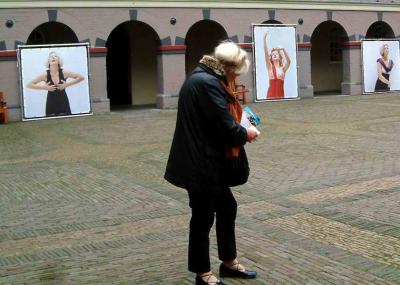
384	67
277	61
55	80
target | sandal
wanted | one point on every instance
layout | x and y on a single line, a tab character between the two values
204	280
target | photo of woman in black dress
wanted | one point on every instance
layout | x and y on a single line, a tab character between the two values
384	67
55	80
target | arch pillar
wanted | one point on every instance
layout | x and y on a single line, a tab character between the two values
352	68
171	74
306	89
98	80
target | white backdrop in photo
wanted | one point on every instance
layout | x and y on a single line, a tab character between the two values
370	55
278	36
33	63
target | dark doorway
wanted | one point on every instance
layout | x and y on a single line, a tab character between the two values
201	39
327	58
272	22
52	33
118	67
132	65
380	30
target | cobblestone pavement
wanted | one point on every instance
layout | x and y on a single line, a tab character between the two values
83	200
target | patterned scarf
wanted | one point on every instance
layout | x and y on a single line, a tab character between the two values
213	64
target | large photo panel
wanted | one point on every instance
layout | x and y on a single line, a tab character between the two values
54	81
381	66
275	62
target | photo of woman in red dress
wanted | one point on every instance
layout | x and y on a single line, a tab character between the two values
277	61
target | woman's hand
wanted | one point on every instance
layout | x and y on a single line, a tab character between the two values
252	134
62	86
50	87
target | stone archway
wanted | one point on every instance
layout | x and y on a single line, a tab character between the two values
132	65
380	30
327	62
201	39
272	22
52	33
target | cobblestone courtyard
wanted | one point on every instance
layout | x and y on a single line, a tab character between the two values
83	200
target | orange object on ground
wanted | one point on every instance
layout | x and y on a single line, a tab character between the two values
3	109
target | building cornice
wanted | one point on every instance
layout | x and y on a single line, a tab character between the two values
381	6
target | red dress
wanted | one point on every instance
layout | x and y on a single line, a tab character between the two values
275	89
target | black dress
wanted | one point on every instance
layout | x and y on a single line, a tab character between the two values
57	103
379	85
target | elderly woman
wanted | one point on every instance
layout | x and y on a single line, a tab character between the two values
55	81
207	130
384	67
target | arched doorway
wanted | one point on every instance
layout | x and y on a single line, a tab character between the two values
201	39
132	65
327	58
52	33
271	22
380	30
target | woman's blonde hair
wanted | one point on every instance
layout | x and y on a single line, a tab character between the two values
382	48
60	61
230	54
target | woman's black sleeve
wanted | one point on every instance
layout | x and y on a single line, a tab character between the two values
213	103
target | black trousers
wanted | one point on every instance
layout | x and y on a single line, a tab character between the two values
204	207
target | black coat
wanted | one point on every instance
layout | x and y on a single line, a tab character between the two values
204	130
